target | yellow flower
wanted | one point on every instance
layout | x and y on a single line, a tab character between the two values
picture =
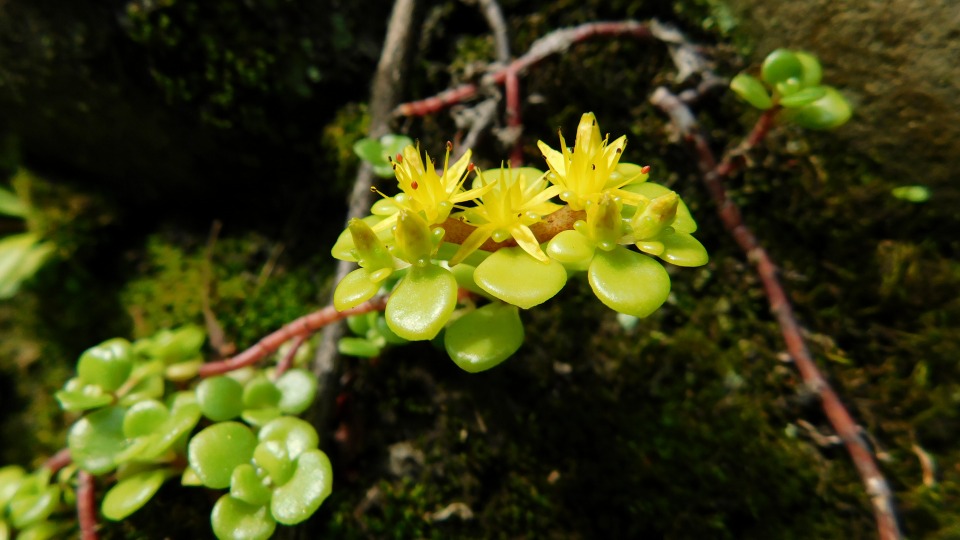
424	191
590	169
516	199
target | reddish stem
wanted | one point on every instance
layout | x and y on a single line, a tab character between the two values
513	116
87	506
287	361
553	43
714	174
58	461
304	326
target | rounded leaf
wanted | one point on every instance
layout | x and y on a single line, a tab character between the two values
354	289
572	249
295	434
484	337
515	277
272	457
781	65
144	418
96	439
803	97
812	72
300	497
131	493
682	249
359	347
86	398
298	388
751	90
829	112
369	150
629	282
34	508
422	303
260	393
246	486
220	398
217	450
233	519
11	477
106	365
914	194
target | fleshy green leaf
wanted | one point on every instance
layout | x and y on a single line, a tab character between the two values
11	477
11	205
106	365
298	388
272	457
629	282
295	434
683	222
812	72
144	418
218	449
358	347
299	498
781	65
422	303
572	249
30	260
220	398
369	150
260	393
803	97
246	486
515	277
96	439
914	194
682	249
354	289
829	112
34	508
751	90
88	397
131	493
484	337
233	519
45	530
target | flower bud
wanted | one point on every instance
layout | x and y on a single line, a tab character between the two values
603	222
370	251
414	241
655	217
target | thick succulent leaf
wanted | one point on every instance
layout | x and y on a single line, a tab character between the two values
34	508
220	398
96	439
131	493
682	249
144	418
629	282
515	277
803	97
358	347
751	90
683	222
484	337
149	387
107	365
260	393
422	303
246	486
295	434
914	194
781	65
299	498
572	249
354	289
12	205
45	530
298	388
88	397
829	112
11	477
218	449
812	72
233	519
273	458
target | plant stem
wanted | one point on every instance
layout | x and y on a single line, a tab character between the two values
713	174
87	506
304	326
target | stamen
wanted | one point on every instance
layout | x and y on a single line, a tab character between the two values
399	158
645	169
414	185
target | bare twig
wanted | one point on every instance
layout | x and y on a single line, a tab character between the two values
713	175
58	461
494	15
87	506
304	326
287	361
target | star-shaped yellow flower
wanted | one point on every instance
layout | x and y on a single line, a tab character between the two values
590	169
516	199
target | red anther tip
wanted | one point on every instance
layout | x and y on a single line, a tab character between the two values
399	158
449	146
414	185
645	169
471	167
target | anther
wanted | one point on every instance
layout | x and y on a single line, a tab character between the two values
471	167
449	146
414	185
593	166
645	169
399	158
619	150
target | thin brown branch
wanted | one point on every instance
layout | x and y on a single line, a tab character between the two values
286	362
881	496
553	43
58	461
304	326
456	231
87	506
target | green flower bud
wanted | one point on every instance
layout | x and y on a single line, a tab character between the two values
369	250
415	243
655	217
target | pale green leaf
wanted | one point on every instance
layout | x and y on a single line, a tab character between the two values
131	493
629	282
422	303
484	337
515	277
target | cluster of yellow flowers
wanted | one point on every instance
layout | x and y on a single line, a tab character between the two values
514	235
